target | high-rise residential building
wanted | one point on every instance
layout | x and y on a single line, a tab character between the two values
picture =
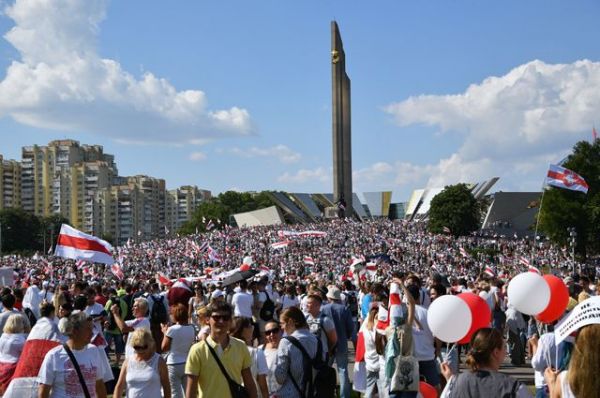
181	203
152	192
10	183
118	213
81	183
54	178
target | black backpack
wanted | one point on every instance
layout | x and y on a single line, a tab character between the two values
159	312
322	380
267	310
352	303
30	316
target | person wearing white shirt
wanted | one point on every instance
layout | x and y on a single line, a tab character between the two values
242	302
139	309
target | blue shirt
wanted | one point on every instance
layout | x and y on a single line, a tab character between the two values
344	327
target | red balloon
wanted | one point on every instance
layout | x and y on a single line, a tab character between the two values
427	390
480	311
245	267
559	299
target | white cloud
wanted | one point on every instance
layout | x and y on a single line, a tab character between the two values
512	125
320	174
61	82
279	152
197	156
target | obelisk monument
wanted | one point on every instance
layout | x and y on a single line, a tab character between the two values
341	130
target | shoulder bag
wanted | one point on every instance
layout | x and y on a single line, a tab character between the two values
237	390
406	372
86	393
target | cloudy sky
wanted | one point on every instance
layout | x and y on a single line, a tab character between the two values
237	94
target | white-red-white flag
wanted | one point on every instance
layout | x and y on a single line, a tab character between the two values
78	245
309	260
117	271
464	253
280	245
523	260
531	268
489	271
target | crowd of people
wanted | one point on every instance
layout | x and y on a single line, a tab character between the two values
168	322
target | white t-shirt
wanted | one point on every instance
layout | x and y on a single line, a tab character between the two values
371	355
58	371
11	346
242	304
287	301
422	337
182	338
139	323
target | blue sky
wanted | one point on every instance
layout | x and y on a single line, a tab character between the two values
236	94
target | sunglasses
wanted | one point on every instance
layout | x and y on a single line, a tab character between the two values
140	347
272	331
224	318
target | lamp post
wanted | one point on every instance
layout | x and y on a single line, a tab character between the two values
0	238
572	242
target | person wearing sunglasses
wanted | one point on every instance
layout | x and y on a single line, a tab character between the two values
144	373
203	371
273	337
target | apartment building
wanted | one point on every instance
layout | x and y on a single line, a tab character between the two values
181	203
10	183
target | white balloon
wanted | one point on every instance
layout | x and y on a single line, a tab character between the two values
529	293
449	318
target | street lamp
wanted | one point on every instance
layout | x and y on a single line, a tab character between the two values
0	238
572	242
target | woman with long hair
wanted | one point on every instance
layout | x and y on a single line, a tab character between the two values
374	350
273	337
483	379
243	329
581	378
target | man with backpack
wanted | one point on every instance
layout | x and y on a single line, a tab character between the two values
158	308
342	319
321	326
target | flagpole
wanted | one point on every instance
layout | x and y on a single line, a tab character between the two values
537	221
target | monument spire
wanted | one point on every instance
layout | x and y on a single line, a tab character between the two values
341	125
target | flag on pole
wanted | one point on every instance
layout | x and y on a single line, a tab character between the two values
489	271
564	178
446	230
213	255
78	245
594	134
210	225
464	253
309	260
117	271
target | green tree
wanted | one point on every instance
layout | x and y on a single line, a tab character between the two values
221	208
562	208
455	208
20	231
49	230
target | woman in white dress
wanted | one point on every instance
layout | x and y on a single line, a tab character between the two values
144	373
